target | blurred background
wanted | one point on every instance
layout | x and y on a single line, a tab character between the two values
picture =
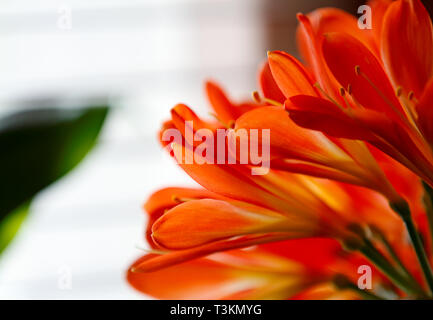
140	57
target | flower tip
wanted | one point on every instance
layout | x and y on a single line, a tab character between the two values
300	16
210	84
398	91
410	95
357	70
256	97
177	109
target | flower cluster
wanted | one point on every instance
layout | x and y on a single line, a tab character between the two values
350	179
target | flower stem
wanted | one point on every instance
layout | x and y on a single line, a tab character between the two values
386	268
393	254
342	282
428	203
403	210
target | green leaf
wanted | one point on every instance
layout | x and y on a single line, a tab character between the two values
38	147
11	223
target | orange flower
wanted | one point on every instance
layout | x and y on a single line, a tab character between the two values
350	141
239	210
280	270
365	95
315	153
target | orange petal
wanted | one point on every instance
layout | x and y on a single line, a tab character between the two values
203	221
326	20
157	262
232	275
198	279
310	45
368	125
228	180
425	112
185	120
167	198
407	45
268	85
166	125
287	139
320	114
289	74
225	110
342	54
378	8
326	251
315	171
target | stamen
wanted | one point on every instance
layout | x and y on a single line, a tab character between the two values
343	94
273	102
147	250
219	120
256	97
398	91
410	95
317	85
349	91
357	70
175	198
406	118
380	93
407	104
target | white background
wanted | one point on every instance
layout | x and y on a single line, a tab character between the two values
145	56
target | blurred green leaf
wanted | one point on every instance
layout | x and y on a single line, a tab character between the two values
11	223
38	147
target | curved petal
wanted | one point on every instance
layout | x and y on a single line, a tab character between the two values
225	110
289	74
232	275
268	85
203	221
227	180
288	139
322	115
158	262
378	8
187	122
371	88
425	112
326	20
166	125
326	251
198	279
407	45
167	198
315	170
310	45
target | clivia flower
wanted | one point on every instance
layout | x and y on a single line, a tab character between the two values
351	173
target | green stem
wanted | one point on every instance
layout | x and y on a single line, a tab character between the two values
428	203
393	254
342	282
403	210
387	269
